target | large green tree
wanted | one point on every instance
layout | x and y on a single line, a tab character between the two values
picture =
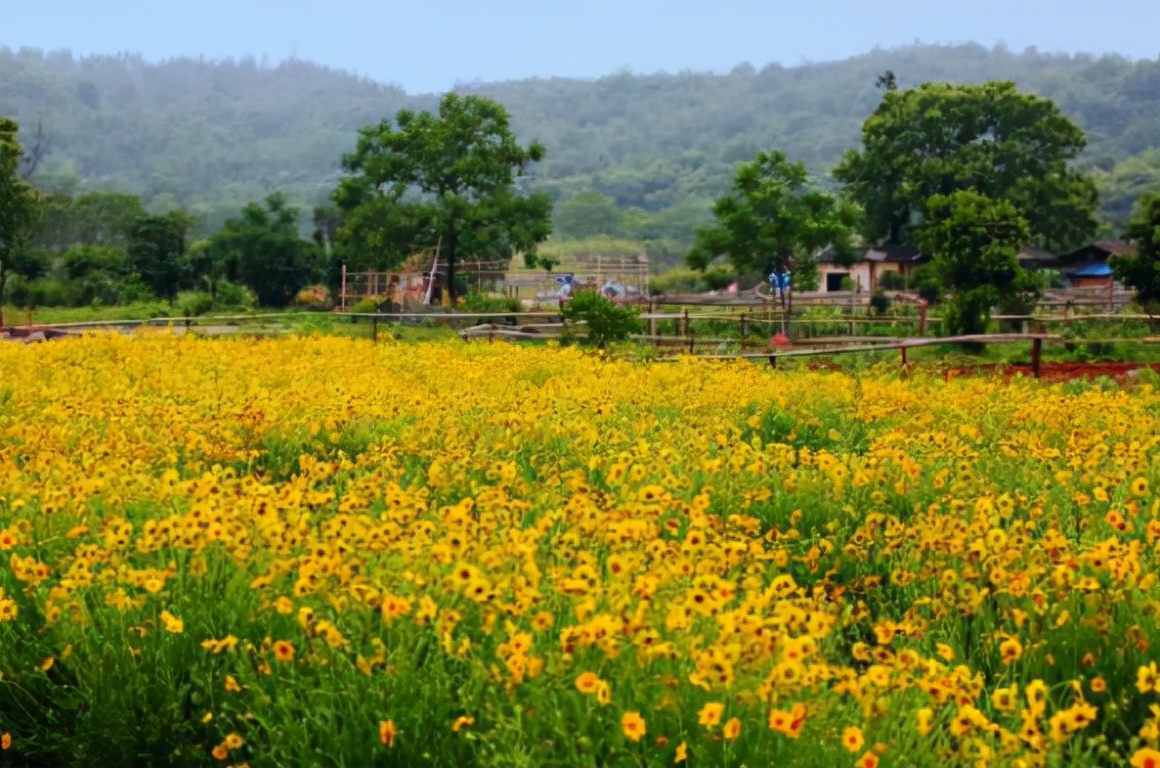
940	137
18	202
449	182
1142	270
771	212
975	243
156	252
263	251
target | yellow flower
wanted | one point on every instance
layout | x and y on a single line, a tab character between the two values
172	623
710	714
587	682
925	716
632	725
233	741
387	732
682	754
461	722
1148	678
732	729
1010	650
852	739
231	684
1139	488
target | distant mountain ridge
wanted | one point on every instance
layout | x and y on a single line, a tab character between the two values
213	135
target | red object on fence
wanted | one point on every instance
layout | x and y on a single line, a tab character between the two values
780	340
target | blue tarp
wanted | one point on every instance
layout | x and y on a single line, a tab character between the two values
1092	270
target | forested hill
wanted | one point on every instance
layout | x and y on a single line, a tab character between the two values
212	135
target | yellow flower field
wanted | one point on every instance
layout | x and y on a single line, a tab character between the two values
320	552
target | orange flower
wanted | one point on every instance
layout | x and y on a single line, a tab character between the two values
6	741
283	651
867	760
462	722
1143	758
633	726
732	729
220	752
587	682
387	732
852	739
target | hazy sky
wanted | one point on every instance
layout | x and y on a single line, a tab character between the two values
426	45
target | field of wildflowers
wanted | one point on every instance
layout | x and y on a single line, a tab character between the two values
319	552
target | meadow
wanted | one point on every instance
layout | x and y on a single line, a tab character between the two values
323	552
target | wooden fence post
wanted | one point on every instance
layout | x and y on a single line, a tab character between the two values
691	342
652	321
922	317
1036	355
744	327
684	322
773	361
903	356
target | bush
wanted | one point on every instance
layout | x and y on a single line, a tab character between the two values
481	302
366	306
314	297
880	303
890	281
194	303
604	319
233	295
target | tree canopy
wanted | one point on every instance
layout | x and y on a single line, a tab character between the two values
1142	271
940	137
156	252
448	182
262	250
771	212
975	243
18	201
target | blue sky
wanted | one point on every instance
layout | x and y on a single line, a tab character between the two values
427	45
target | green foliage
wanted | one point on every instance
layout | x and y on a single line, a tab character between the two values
891	281
19	201
480	302
96	218
587	214
771	212
446	182
975	242
194	303
880	303
805	274
364	307
1126	182
940	137
263	251
1142	271
604	319
156	252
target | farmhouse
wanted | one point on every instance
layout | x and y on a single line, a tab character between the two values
868	268
1088	267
